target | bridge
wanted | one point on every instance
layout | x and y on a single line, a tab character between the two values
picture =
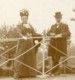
43	73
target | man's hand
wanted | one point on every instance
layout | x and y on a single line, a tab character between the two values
58	36
52	34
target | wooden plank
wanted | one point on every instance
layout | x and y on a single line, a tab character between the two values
61	77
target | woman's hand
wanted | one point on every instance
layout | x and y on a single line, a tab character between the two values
24	37
36	42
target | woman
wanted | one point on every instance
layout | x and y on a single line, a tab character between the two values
25	30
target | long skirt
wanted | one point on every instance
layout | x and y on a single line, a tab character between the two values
26	64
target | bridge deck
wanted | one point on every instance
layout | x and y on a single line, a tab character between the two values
61	77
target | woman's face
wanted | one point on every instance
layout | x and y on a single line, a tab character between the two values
24	19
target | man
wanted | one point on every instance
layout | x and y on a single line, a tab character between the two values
59	33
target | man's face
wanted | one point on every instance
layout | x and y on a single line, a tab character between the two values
58	19
24	19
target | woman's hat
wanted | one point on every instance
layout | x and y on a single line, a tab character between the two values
24	12
58	15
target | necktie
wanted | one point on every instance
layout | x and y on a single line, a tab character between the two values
57	25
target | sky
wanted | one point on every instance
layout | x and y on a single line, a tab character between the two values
41	13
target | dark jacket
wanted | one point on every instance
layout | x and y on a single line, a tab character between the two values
59	43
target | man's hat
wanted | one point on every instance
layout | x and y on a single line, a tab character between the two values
24	12
58	15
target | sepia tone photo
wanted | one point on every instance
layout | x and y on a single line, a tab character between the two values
37	40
